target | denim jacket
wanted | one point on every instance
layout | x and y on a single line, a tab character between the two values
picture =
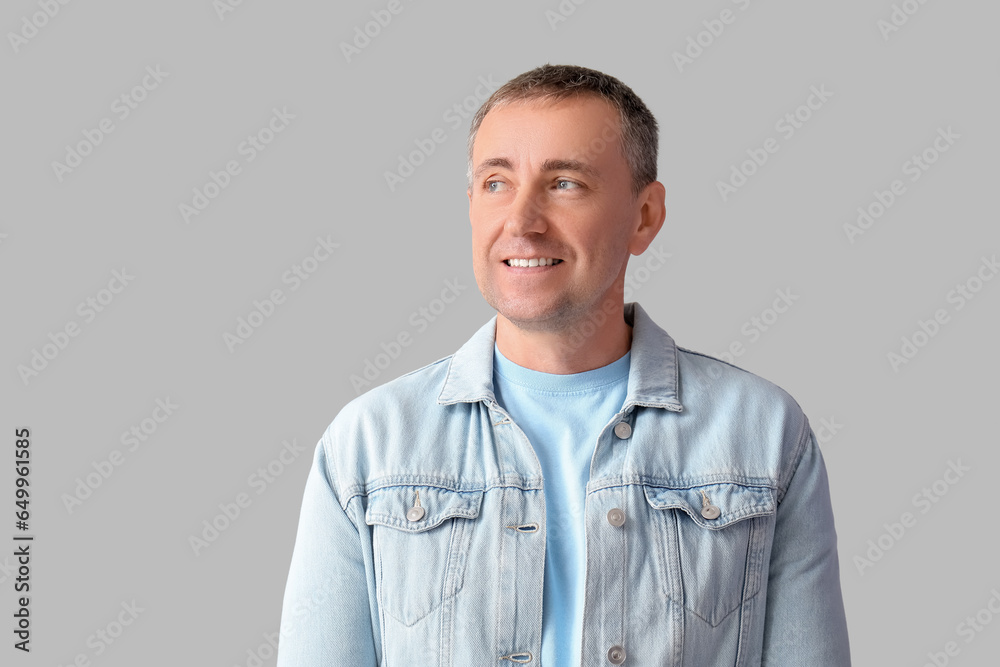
709	531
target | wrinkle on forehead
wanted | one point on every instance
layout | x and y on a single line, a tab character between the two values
547	166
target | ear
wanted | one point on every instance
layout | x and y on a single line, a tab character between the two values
652	213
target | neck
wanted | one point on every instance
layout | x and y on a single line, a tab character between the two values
567	350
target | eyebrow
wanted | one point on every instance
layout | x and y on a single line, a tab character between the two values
489	163
548	165
570	165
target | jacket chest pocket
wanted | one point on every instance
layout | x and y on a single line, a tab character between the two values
420	539
718	535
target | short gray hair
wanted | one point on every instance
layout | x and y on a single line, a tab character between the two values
639	131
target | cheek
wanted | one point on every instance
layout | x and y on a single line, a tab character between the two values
481	245
485	228
609	246
478	240
607	230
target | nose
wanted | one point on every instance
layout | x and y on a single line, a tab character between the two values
527	213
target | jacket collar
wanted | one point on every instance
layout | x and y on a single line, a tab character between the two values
652	374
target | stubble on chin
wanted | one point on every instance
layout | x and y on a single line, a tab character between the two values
529	315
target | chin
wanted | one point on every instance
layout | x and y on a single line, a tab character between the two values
537	317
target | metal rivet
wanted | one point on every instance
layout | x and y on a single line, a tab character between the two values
616	655
616	517
623	430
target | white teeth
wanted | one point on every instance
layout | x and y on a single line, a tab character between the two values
535	261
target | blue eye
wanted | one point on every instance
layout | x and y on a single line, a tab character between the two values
560	185
490	186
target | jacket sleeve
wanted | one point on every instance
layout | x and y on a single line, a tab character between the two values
326	618
804	619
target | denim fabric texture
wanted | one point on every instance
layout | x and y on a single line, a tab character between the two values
562	415
710	537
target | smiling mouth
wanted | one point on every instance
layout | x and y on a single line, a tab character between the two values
535	261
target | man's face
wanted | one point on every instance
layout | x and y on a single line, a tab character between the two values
550	183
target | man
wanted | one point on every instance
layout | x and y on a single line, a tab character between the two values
568	488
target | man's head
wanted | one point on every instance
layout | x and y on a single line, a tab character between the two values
562	167
637	125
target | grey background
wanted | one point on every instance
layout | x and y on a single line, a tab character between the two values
323	176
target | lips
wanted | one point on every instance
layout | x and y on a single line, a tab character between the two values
525	262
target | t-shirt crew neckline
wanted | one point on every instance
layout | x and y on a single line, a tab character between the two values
554	383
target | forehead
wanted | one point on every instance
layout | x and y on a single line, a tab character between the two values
582	127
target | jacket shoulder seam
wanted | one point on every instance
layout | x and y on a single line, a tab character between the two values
800	450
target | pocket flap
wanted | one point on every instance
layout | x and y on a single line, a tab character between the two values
735	502
390	506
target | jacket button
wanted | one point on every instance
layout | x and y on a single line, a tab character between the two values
616	517
710	512
616	655
623	430
415	513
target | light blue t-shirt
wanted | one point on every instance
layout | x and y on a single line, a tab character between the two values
562	415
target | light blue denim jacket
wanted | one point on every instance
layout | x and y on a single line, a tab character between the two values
709	531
